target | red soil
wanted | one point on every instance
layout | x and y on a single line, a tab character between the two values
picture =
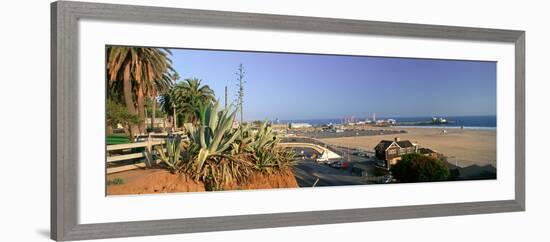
146	181
284	179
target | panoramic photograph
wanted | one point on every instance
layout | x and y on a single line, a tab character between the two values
196	120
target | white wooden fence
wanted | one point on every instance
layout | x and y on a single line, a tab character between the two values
147	153
148	142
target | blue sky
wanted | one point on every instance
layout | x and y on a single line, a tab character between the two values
309	86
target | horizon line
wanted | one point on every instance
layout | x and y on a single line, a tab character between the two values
378	117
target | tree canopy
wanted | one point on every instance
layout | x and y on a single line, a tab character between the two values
187	97
420	168
135	74
119	114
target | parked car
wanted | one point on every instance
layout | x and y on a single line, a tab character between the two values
381	163
386	179
345	165
335	164
339	164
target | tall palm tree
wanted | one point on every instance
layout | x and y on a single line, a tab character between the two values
164	100
136	73
187	97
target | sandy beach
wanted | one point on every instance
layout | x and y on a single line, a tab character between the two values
467	147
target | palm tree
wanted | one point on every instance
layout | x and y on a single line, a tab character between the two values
165	104
187	97
136	73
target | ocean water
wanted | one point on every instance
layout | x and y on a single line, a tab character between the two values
456	121
482	122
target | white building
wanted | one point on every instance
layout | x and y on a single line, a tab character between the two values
299	125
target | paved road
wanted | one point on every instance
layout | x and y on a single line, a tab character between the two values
307	172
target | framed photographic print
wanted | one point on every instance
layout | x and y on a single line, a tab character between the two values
170	120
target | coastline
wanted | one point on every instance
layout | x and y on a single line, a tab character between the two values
445	127
463	147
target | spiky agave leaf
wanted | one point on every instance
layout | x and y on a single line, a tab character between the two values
171	157
213	138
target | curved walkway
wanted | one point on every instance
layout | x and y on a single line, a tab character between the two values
326	154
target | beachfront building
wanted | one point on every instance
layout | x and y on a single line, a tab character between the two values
428	152
391	150
385	122
299	125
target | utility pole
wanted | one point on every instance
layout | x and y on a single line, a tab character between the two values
225	97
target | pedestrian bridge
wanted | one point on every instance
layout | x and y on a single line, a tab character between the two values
326	154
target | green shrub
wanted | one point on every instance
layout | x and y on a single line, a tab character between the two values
116	181
420	168
119	114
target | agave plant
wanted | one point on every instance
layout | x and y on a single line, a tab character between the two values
244	140
285	158
262	145
265	160
214	135
264	139
171	158
211	144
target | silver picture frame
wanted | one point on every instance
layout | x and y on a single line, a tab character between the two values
65	111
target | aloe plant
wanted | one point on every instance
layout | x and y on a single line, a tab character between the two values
171	157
